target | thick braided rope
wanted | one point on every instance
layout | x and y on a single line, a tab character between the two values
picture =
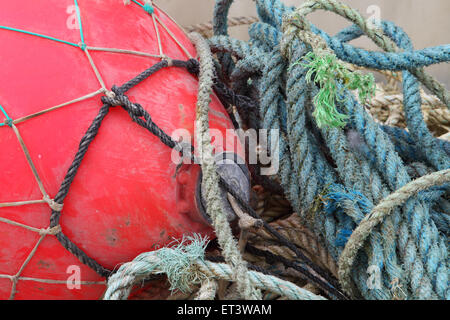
363	57
297	23
391	248
210	178
238	48
376	153
146	264
412	98
379	213
310	173
220	27
388	100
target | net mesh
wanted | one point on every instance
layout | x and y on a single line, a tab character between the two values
11	123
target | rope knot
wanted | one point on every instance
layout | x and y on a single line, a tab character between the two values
148	8
8	121
110	94
55	206
110	101
50	231
168	60
193	67
135	108
115	97
82	46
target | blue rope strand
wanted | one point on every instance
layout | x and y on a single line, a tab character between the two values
77	8
8	121
39	35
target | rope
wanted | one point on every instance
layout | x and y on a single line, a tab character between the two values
210	177
186	261
293	230
115	97
334	177
385	101
207	290
384	42
206	28
378	214
323	172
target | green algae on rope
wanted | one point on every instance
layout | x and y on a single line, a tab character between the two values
325	70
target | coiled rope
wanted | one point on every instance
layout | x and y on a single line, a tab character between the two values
334	177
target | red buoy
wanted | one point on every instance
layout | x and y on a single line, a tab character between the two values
127	196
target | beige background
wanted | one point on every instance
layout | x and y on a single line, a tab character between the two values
426	21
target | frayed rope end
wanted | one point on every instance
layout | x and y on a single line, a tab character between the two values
177	262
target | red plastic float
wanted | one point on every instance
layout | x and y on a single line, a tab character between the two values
126	197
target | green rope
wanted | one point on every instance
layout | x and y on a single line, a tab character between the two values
40	36
8	119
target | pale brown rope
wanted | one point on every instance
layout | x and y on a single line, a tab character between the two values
158	37
173	37
205	29
88	96
132	52
386	107
94	67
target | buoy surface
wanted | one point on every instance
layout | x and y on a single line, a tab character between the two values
127	196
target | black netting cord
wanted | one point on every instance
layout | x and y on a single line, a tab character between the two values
139	115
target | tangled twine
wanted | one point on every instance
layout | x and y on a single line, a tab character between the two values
334	177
